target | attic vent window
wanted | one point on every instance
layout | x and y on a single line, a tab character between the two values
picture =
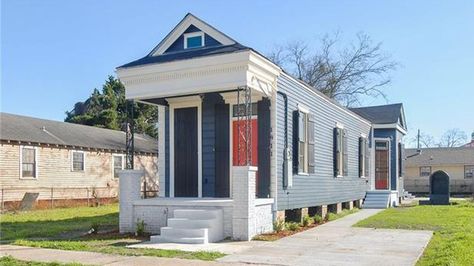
193	40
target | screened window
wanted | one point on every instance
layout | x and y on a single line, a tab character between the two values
77	161
118	164
469	171
425	171
193	40
28	162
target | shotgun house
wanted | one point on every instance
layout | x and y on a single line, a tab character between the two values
241	142
389	128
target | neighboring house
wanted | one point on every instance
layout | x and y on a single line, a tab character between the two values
243	143
457	162
64	160
470	144
389	128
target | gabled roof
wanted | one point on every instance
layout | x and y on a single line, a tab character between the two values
159	54
440	156
29	129
383	114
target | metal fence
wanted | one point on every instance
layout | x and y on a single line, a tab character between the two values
53	197
422	185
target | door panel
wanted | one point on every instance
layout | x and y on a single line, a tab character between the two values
381	166
185	152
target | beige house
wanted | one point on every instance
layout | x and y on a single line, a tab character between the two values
457	162
62	161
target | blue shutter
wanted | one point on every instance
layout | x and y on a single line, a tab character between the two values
296	135
337	150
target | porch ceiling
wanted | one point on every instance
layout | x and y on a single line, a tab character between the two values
201	75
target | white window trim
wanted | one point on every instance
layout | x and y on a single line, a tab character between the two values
303	109
71	154
194	34
341	169
113	163
36	162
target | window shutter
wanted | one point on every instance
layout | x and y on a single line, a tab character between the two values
311	160
337	149
296	135
402	158
367	158
345	154
361	156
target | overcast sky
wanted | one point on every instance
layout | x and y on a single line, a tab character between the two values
54	53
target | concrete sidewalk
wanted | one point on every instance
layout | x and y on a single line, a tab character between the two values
91	258
338	243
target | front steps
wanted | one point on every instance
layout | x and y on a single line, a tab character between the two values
192	226
376	200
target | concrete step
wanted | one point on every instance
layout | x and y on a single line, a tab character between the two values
183	240
376	200
191	223
171	232
196	214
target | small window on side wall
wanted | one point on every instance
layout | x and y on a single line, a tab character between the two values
469	171
340	152
363	157
303	144
119	163
77	161
28	162
425	171
193	40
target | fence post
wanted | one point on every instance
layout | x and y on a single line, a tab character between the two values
88	203
2	199
52	201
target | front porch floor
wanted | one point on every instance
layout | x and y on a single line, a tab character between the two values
185	202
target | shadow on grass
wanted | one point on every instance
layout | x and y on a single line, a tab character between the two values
57	229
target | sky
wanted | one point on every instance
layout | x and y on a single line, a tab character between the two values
55	52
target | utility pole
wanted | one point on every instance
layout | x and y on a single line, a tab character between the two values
418	140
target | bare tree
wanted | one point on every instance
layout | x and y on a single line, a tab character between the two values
426	140
453	138
347	74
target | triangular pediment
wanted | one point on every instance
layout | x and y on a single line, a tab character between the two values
174	41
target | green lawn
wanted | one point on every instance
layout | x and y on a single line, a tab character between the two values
453	226
66	229
10	261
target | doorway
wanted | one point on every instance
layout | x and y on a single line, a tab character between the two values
382	168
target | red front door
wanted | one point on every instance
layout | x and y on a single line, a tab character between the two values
381	165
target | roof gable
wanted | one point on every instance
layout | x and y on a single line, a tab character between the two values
174	41
383	114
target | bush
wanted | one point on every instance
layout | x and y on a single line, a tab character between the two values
318	219
292	226
306	221
140	228
278	225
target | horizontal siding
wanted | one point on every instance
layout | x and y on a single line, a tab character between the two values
54	169
321	187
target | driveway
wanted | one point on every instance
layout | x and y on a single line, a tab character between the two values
338	243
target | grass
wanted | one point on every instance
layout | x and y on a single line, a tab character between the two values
453	225
67	229
291	228
10	261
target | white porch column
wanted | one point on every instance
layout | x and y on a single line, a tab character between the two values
243	195
130	190
161	151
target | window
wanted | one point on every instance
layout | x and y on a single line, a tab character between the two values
340	152
401	159
468	171
193	40
77	161
363	157
425	170
239	110
28	162
119	162
303	144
